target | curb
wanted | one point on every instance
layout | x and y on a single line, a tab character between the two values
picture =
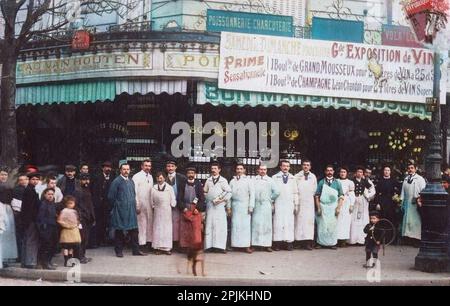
118	279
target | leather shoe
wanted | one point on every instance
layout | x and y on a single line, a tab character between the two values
119	254
139	253
85	260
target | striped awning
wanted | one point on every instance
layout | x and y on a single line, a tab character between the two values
157	87
210	93
83	92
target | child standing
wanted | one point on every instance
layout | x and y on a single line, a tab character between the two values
373	239
46	224
69	220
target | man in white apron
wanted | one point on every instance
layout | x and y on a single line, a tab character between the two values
286	206
304	219
329	200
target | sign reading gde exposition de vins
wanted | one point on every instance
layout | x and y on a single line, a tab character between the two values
324	68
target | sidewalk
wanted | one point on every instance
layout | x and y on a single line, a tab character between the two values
299	267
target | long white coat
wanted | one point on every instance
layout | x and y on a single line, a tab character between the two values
162	203
283	218
304	220
266	191
144	184
216	217
242	202
345	217
412	224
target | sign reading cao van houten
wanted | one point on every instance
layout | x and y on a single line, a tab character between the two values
324	68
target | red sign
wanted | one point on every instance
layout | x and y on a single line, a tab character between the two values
418	6
81	40
400	36
419	23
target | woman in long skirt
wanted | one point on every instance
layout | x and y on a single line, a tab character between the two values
162	199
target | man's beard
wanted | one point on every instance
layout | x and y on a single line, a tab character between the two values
191	178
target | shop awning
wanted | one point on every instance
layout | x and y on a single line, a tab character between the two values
210	93
83	92
157	87
66	93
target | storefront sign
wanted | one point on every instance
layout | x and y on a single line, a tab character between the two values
266	24
109	65
191	61
401	36
326	68
210	93
340	30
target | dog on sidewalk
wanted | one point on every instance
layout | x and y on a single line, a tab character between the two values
195	257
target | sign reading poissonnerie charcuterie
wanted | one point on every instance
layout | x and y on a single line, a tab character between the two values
325	68
265	24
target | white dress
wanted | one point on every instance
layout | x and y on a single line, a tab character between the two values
345	218
284	218
216	217
162	202
143	184
304	220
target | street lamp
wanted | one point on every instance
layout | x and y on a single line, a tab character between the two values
432	255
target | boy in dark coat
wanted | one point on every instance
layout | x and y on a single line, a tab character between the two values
373	239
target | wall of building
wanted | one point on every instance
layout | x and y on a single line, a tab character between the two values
191	14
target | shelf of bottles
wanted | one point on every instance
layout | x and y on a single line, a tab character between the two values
251	161
142	140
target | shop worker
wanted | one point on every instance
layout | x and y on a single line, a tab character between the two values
329	200
286	207
242	205
217	195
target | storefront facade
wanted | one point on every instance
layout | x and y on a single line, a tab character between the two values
118	99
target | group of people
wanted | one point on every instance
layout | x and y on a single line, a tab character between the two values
40	215
177	211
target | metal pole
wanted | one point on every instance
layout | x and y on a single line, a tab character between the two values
432	255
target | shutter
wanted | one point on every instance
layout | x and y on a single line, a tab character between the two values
294	8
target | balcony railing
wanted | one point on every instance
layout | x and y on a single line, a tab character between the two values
132	27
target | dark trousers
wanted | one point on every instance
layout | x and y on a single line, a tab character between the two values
85	236
19	234
99	233
228	247
30	245
48	238
119	240
371	250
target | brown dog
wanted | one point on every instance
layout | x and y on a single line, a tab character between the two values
194	257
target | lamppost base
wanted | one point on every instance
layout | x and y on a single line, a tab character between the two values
432	256
432	264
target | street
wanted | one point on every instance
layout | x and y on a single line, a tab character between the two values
299	267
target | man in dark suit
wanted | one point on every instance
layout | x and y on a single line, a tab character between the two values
178	182
28	215
100	187
68	183
87	215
